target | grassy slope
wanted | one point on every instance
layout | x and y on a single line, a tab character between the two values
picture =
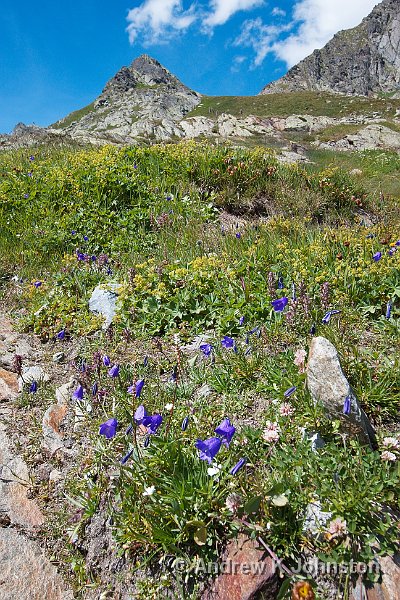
283	105
134	204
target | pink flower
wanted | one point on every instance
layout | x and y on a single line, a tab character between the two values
271	432
391	442
388	456
286	409
300	358
337	527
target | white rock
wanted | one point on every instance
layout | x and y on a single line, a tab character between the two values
104	301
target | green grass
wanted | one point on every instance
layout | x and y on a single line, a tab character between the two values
284	105
76	115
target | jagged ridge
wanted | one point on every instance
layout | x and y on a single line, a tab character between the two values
361	61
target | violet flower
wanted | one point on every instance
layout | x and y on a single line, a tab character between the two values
78	393
185	423
114	371
208	448
228	342
327	317
140	414
206	349
290	391
238	466
127	456
152	423
377	256
388	309
33	387
138	387
279	304
226	430
109	428
61	334
347	405
106	360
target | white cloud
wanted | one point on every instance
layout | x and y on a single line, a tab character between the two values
222	10
319	20
157	19
278	12
260	37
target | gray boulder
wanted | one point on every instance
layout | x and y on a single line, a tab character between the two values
104	302
328	385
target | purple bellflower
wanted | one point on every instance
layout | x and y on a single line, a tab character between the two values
152	423
109	428
206	349
226	430
279	304
208	448
106	360
33	387
290	391
78	393
114	371
347	405
238	466
140	414
377	256
228	342
127	456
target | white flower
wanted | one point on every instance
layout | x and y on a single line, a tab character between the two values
388	456
149	491
169	406
214	470
391	442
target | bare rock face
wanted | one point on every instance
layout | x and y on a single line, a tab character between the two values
389	586
328	385
25	573
15	506
372	137
362	61
250	574
143	100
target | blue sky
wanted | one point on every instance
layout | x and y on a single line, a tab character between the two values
55	58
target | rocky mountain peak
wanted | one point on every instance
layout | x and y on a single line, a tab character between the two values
152	72
143	71
361	61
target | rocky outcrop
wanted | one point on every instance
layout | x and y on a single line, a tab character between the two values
143	100
361	61
328	386
249	573
371	137
25	136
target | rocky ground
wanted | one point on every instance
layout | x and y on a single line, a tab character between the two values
41	444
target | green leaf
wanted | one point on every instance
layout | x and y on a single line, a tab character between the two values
200	536
252	505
